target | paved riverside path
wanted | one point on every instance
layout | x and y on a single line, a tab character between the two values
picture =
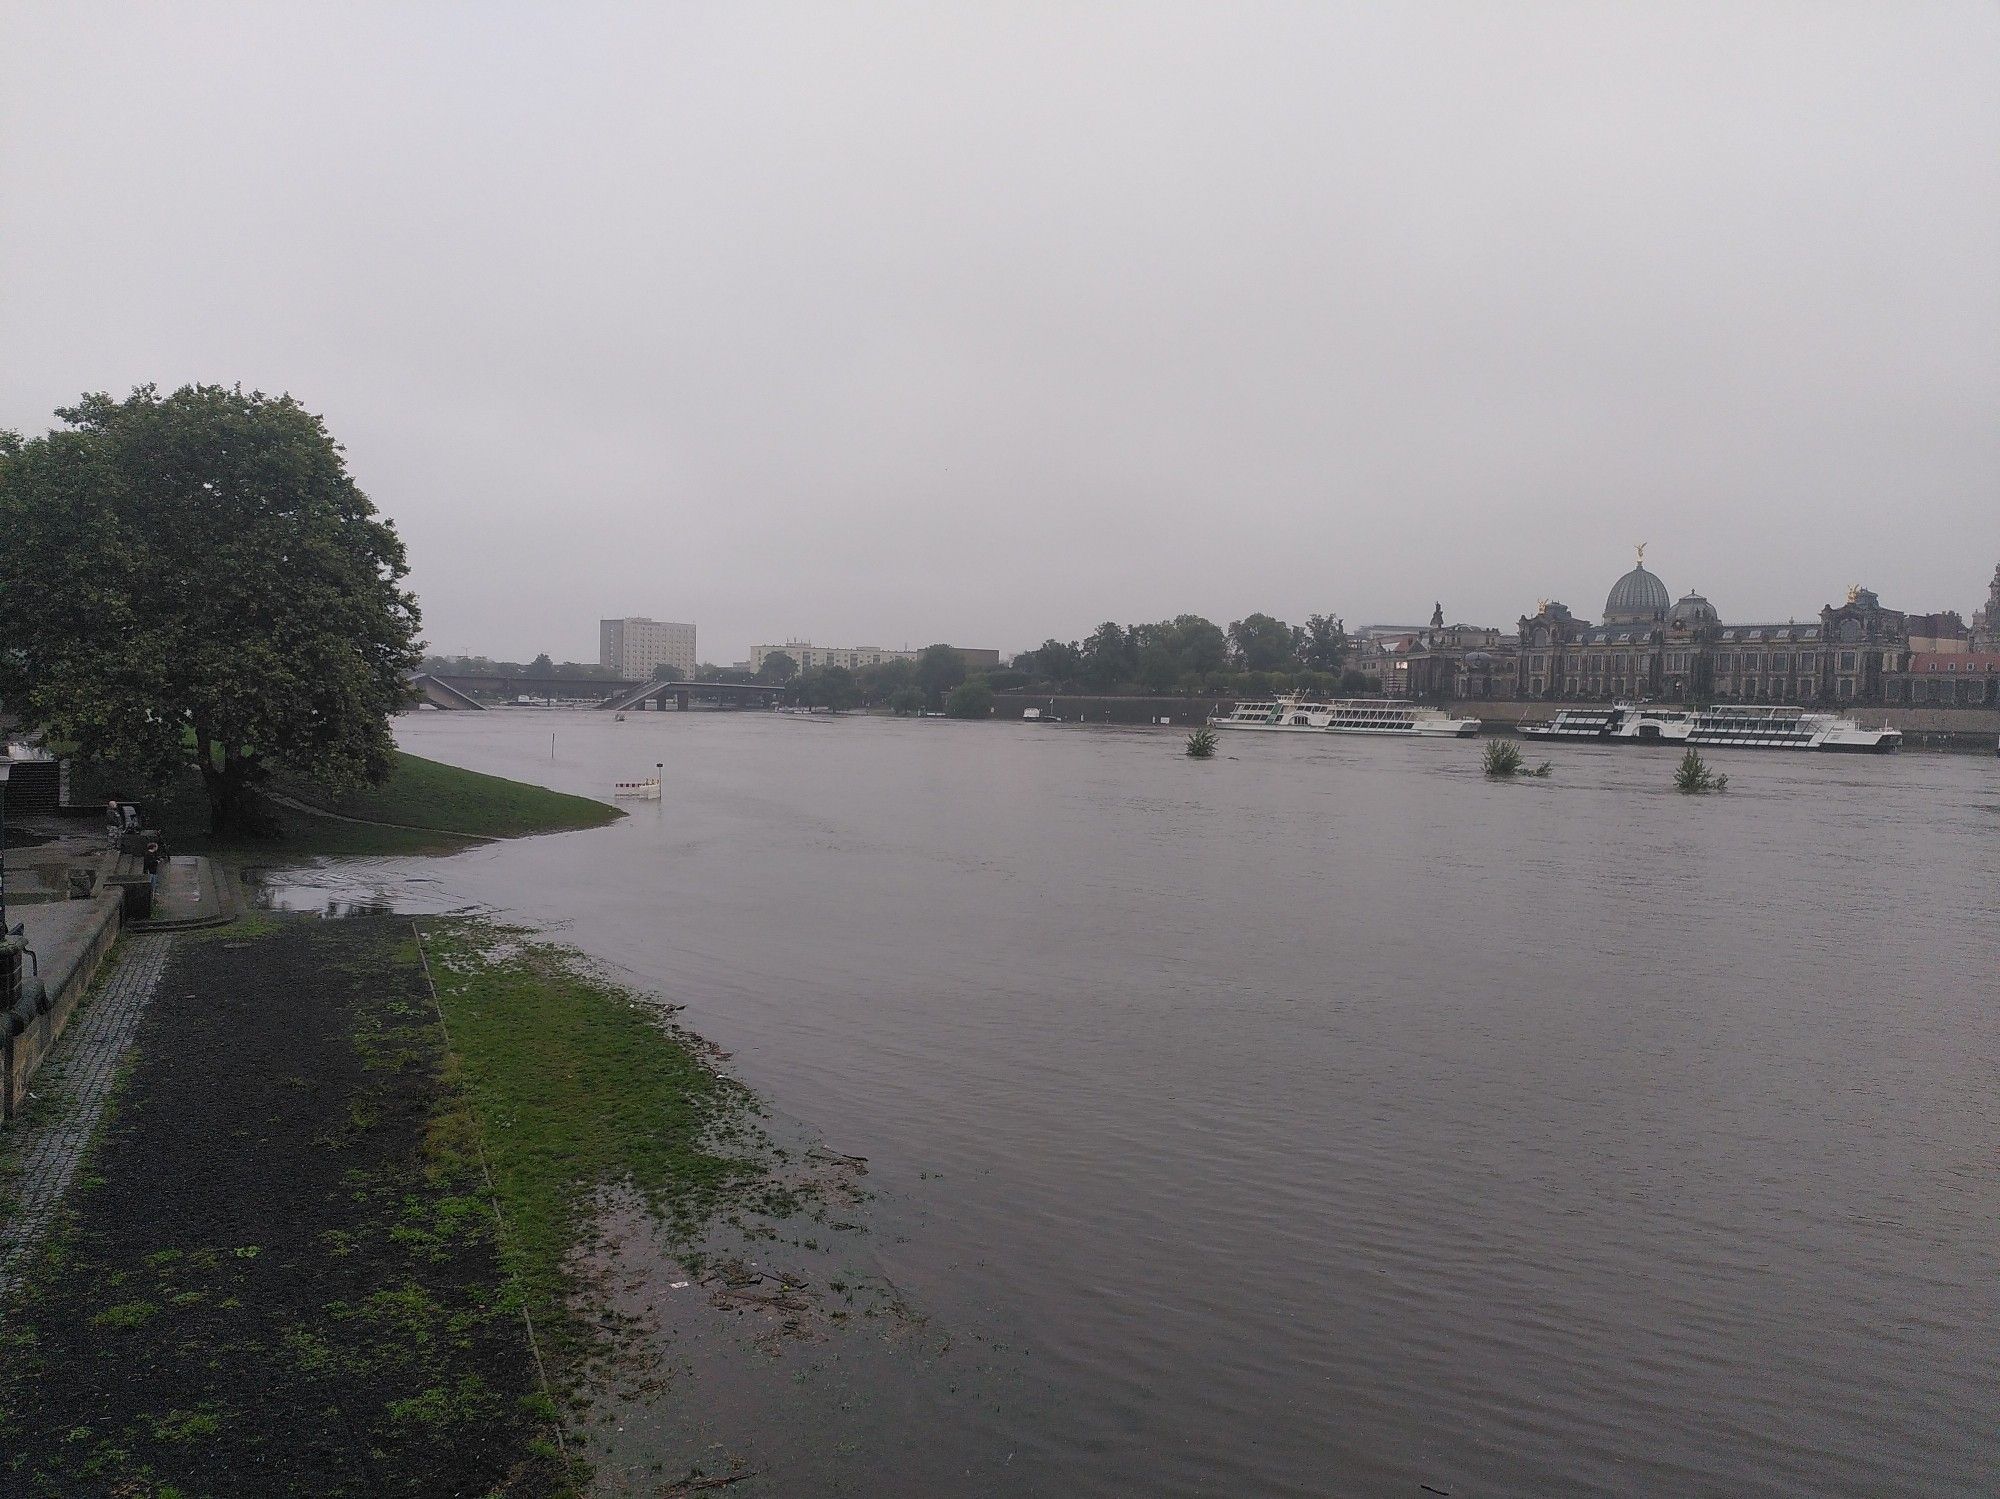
277	1272
77	1079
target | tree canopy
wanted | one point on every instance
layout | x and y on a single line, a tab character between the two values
1260	642
196	579
971	698
1191	654
939	669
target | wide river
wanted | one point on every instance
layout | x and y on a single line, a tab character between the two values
1326	1119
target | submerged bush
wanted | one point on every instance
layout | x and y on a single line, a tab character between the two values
1201	745
1502	759
1694	775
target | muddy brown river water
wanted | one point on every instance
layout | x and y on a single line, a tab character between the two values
1322	1119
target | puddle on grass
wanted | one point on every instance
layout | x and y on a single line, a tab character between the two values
352	887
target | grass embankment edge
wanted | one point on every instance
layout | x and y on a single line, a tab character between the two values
578	1088
424	807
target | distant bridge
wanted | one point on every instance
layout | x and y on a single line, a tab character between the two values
442	694
474	690
507	686
723	694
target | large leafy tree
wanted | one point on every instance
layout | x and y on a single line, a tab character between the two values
1059	660
195	579
1108	657
939	669
824	687
1202	647
1260	642
972	698
1323	645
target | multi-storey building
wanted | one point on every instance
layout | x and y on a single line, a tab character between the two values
1648	647
636	647
1954	679
812	657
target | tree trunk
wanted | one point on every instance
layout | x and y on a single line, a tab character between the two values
229	802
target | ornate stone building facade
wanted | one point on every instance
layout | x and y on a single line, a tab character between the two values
1986	622
1651	648
1451	662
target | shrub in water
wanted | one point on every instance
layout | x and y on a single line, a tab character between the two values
1200	744
1502	758
1694	775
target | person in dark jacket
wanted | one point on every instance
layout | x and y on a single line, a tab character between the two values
151	864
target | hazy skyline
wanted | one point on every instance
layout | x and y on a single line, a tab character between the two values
892	324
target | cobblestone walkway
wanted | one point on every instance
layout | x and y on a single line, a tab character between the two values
43	1157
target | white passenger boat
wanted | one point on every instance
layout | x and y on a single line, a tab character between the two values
1744	726
643	790
1576	723
1778	727
1292	714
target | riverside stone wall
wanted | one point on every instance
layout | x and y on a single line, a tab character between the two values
69	945
1073	708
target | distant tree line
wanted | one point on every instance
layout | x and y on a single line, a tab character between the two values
926	684
1186	655
1191	655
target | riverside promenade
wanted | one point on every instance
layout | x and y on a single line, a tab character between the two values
284	1173
62	1061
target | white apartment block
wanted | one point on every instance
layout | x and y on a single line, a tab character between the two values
633	647
812	657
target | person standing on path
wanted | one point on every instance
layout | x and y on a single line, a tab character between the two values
151	864
114	823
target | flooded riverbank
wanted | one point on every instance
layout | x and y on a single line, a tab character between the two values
1325	1119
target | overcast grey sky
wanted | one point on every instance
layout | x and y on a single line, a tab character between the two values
982	322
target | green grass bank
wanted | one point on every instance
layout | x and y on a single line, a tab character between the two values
423	807
581	1089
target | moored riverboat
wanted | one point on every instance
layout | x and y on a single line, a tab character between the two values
1292	714
1774	726
1576	723
1738	726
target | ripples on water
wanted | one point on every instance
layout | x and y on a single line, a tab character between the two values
1324	1119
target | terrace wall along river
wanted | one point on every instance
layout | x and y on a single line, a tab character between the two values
1326	1119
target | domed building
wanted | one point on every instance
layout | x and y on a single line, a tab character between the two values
1649	647
1693	613
1565	657
1637	598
